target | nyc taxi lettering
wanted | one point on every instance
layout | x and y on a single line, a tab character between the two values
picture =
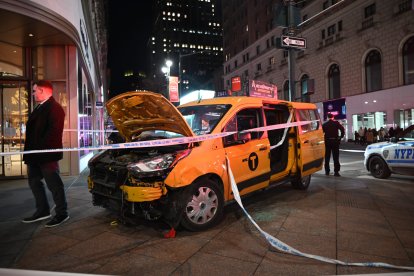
403	154
253	161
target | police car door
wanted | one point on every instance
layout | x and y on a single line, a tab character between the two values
248	152
400	156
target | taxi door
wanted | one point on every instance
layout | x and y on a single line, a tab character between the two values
311	147
249	152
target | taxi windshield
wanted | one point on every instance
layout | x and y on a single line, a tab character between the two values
204	118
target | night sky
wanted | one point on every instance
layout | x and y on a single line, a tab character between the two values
129	27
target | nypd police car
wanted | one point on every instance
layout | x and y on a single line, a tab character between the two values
396	156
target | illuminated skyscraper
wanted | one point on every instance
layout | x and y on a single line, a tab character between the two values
189	33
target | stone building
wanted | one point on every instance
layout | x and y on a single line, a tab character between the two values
360	55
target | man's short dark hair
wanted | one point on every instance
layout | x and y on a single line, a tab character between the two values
44	84
330	115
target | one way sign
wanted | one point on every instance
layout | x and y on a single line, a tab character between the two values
294	42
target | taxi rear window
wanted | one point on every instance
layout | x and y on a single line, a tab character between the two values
308	115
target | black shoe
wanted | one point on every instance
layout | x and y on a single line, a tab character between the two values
337	174
56	220
326	173
36	217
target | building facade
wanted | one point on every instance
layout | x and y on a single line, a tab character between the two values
188	33
359	52
64	42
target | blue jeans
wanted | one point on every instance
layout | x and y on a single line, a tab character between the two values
49	172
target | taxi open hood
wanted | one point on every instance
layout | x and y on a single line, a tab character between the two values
135	112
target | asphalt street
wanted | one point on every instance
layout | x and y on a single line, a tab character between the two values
353	218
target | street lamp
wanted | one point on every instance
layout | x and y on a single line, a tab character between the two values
166	71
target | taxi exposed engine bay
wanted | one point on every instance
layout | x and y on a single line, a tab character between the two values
188	184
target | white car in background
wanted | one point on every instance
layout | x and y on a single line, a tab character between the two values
396	156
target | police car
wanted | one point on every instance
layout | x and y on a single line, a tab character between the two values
396	156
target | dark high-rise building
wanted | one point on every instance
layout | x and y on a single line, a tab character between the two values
188	33
244	23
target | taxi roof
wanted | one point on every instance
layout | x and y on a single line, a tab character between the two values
238	100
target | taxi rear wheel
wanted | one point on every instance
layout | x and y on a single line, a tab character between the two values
301	183
379	168
204	207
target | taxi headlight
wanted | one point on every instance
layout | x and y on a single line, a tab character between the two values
158	163
152	164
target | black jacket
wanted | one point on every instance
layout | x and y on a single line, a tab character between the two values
44	130
331	128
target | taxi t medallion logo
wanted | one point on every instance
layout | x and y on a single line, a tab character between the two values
253	161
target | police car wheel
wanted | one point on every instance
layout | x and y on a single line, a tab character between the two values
204	207
378	167
301	183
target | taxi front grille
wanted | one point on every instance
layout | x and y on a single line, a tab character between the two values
109	176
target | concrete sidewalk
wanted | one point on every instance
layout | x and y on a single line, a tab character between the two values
352	218
17	202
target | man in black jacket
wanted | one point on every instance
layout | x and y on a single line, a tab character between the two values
331	128
44	130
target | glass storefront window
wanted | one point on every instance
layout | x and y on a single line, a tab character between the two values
86	134
372	120
11	60
404	118
13	117
49	62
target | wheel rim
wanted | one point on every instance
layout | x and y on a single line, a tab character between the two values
203	206
377	167
305	180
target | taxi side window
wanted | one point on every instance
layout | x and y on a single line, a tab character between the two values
243	120
308	115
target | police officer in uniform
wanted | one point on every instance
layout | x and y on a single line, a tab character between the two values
331	128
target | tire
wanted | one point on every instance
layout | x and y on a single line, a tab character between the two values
301	183
378	167
204	205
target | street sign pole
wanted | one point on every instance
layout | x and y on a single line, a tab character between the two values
291	52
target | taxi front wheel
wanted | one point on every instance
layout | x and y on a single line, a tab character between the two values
378	167
301	183
204	207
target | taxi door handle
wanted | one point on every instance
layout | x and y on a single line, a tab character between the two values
263	148
306	142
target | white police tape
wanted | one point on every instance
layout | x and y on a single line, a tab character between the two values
185	140
281	246
161	142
